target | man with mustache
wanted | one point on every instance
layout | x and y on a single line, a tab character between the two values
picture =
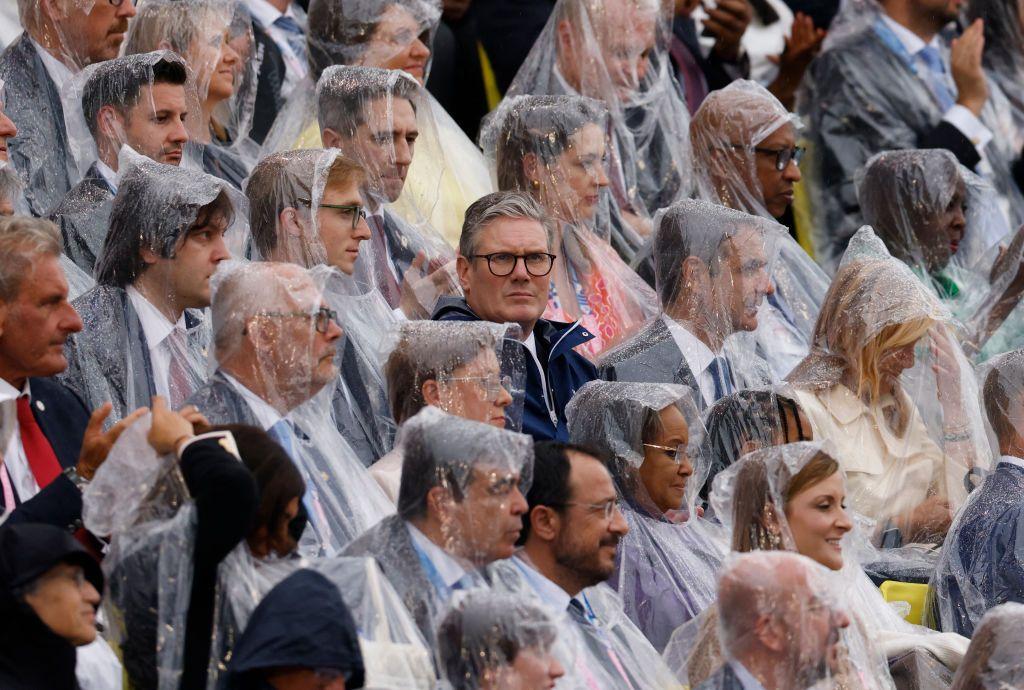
777	628
138	101
145	333
568	549
712	273
60	38
504	268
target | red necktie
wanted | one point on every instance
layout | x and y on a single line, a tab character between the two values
41	458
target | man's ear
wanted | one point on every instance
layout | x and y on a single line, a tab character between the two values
769	633
290	223
462	268
3	317
110	124
330	139
545	522
692	275
149	257
438	499
431	392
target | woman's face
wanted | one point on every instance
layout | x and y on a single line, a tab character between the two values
475	391
895	361
267	540
571	186
216	65
941	235
399	42
533	669
817	520
664	473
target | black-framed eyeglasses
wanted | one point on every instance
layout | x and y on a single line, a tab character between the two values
607	509
357	211
782	156
323	317
501	264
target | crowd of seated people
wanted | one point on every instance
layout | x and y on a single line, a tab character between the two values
511	344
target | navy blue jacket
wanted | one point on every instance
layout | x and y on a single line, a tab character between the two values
62	416
566	370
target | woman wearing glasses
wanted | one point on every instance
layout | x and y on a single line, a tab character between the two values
667	561
555	149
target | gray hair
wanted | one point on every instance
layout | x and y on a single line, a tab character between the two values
497	205
22	241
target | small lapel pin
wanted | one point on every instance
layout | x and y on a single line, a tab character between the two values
40	406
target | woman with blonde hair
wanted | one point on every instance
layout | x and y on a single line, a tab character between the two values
901	429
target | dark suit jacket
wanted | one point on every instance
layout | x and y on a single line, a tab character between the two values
40	151
221	403
83	217
402	245
722	679
269	83
62	416
650	356
717	73
355	419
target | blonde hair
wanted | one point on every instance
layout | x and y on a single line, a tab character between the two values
890	338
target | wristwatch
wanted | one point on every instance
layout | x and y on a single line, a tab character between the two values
78	480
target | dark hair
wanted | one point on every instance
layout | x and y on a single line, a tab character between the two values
342	95
1003	383
277	182
119	83
551	470
423	468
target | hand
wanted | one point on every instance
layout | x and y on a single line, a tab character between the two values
931	518
194	417
802	46
454	10
96	443
1010	260
420	286
727	22
169	430
947	376
965	64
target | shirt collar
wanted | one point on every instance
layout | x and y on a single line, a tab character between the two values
155	326
9	392
60	73
698	356
264	412
265	13
744	676
911	42
108	174
450	570
1011	460
550	593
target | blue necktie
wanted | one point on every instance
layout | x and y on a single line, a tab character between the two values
284	434
721	375
937	77
293	34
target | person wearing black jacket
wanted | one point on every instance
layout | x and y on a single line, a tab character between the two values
49	590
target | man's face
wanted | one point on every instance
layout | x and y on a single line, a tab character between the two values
340	240
740	280
572	185
398	42
37	324
484	526
195	261
588	540
155	126
66	602
385	151
518	297
95	35
817	637
776	185
938	12
474	391
7	131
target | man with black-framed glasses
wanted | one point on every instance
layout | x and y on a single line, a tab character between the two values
504	267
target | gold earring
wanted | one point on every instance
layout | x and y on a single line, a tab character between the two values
535	184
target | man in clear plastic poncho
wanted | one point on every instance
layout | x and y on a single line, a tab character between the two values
981	564
887	79
371	115
275	342
59	40
993	660
712	269
554	148
473	370
460	507
141	101
616	52
944	222
746	157
1004	48
901	417
568	549
668	560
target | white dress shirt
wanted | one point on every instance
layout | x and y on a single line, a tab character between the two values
744	676
14	459
547	591
958	116
698	356
265	413
156	327
1011	460
295	66
59	73
108	174
448	568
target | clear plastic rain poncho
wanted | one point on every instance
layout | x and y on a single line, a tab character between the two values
861	96
496	640
982	564
783	624
448	172
1004	54
712	274
275	342
215	38
466	481
944	221
616	52
141	501
142	101
145	331
888	385
474	370
741	135
555	149
668	560
993	660
373	115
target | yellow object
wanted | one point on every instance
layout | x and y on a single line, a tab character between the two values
803	211
491	90
912	593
